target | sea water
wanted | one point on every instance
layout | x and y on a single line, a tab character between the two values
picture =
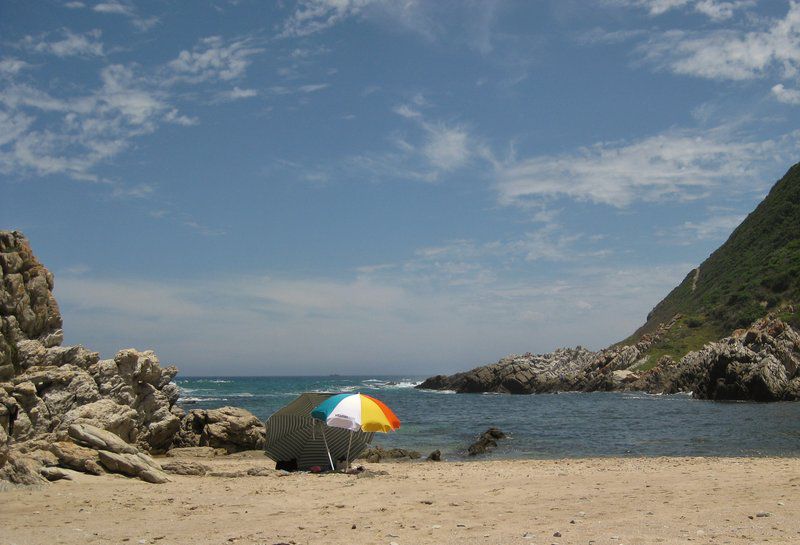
539	426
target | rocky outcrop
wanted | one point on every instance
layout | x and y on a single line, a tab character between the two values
229	428
46	389
565	369
761	363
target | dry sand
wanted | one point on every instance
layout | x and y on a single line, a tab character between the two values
603	501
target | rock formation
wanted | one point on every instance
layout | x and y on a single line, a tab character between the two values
49	392
761	363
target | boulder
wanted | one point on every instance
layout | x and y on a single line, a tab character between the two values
231	428
197	452
99	439
435	456
486	442
133	465
184	467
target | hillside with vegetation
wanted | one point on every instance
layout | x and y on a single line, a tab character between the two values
755	272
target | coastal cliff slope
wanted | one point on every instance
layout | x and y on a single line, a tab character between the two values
747	291
755	272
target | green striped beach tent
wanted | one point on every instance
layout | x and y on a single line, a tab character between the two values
293	435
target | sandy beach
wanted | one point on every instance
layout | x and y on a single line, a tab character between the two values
603	501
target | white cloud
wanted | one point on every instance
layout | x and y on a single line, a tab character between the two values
10	66
90	128
729	54
446	148
787	96
71	44
75	5
716	10
313	88
213	59
404	110
114	7
312	16
236	94
678	165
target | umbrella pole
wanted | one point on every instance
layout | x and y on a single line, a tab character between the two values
350	442
327	449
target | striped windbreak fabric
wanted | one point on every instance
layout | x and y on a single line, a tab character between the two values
293	435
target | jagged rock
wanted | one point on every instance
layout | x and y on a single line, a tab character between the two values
185	467
231	428
486	442
99	439
761	363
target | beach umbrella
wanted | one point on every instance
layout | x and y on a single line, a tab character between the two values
357	413
294	436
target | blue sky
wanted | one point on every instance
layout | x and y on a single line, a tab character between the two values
369	186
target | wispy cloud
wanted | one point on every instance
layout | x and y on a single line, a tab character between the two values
69	45
676	165
312	16
236	93
772	48
126	9
213	58
716	10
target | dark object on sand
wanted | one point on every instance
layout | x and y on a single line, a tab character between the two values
486	442
435	456
286	465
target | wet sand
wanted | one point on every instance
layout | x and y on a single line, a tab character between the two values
602	501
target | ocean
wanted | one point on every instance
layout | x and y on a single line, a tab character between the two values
546	426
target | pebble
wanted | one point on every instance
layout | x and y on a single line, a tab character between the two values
557	534
762	514
393	543
528	535
436	526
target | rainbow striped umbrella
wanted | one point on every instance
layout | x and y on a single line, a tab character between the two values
357	413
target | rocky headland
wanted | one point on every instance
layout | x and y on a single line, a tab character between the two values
760	363
62	408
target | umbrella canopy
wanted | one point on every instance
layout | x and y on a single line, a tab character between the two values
356	412
292	434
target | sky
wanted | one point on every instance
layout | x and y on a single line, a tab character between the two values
383	187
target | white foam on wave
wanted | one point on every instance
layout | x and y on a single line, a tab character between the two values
200	399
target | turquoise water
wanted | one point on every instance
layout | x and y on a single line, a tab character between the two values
541	426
